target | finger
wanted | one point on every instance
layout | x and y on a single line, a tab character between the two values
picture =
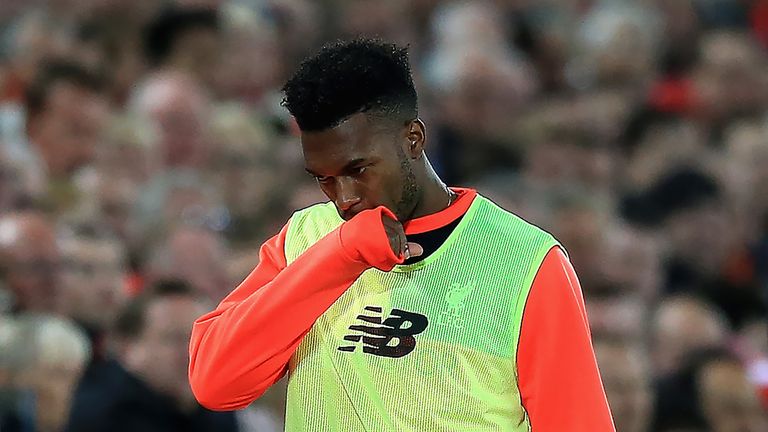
413	250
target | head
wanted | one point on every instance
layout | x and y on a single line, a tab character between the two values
196	255
154	330
47	357
186	39
176	107
356	107
29	261
67	115
92	275
627	381
683	325
728	400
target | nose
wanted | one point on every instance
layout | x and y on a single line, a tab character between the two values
346	195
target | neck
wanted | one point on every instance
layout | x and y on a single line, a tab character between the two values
435	195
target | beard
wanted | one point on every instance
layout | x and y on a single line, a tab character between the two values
409	195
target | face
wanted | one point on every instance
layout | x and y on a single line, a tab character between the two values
682	326
92	280
729	401
360	166
32	265
161	353
69	130
627	385
53	386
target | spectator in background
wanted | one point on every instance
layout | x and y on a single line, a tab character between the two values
711	392
703	243
145	388
45	357
194	254
184	40
683	325
30	261
93	276
627	379
67	116
176	108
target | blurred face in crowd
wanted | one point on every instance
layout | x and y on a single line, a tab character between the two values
702	236
160	355
30	260
93	280
728	78
116	198
729	401
197	52
198	256
627	384
69	128
745	171
53	354
250	65
681	326
179	108
632	259
53	384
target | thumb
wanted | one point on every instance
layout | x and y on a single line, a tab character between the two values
413	250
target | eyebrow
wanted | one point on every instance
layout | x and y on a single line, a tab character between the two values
351	164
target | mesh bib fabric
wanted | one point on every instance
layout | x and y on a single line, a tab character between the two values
429	346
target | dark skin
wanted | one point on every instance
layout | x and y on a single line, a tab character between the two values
367	162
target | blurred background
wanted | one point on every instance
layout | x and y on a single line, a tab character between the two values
144	157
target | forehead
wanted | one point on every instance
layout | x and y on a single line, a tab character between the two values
355	138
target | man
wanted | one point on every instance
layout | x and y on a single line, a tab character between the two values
627	380
146	389
67	115
712	392
93	281
29	262
401	304
186	40
42	359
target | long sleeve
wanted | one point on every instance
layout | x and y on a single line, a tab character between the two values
243	347
558	377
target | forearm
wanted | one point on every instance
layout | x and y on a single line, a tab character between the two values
243	347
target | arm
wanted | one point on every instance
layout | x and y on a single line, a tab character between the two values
243	346
559	381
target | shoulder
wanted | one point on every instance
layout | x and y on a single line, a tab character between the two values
509	227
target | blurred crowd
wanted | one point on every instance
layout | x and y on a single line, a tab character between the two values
145	155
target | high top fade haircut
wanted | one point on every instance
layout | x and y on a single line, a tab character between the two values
349	77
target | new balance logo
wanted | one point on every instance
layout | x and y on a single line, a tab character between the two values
400	325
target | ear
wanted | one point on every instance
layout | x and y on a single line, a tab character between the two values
417	137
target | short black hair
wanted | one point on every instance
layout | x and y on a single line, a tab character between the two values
349	77
54	71
162	33
132	318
